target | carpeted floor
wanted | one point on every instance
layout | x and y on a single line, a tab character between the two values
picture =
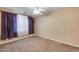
36	44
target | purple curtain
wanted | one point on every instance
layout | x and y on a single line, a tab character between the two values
31	25
7	25
4	28
15	25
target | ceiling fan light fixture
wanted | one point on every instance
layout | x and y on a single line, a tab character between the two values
37	11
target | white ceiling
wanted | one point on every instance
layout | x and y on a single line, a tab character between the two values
29	10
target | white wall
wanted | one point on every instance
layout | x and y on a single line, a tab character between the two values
61	26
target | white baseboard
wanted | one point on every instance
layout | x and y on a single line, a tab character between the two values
74	45
15	39
20	38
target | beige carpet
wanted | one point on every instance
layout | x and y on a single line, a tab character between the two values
36	44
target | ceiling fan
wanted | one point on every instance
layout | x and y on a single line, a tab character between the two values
37	11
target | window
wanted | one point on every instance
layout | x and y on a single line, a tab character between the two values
22	25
